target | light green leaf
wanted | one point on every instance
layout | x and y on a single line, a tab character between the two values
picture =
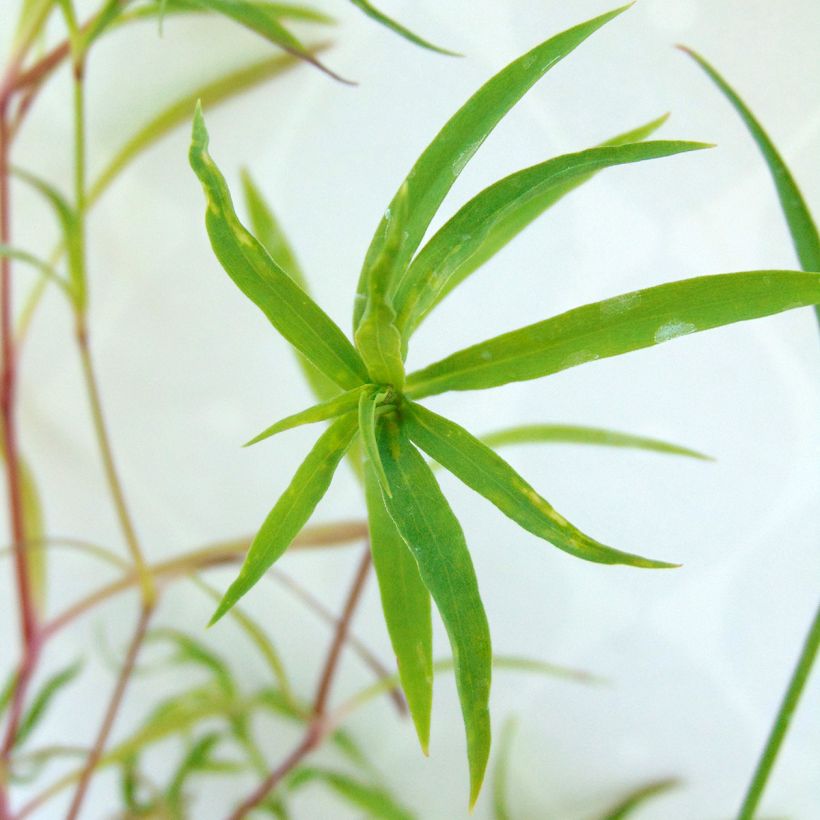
34	529
39	706
33	15
293	509
379	17
376	801
432	532
6	692
38	264
406	606
636	799
801	225
574	434
368	404
441	163
343	403
484	471
269	232
290	310
445	260
188	650
281	11
501	808
614	326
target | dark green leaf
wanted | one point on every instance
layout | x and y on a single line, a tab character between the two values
484	471
637	798
293	509
290	310
614	326
441	163
432	532
376	801
379	17
338	406
406	606
445	260
368	405
574	434
44	698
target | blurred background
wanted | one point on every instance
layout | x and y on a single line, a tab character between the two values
695	659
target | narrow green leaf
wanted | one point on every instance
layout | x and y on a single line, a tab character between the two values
6	692
432	532
444	159
39	706
293	509
376	801
338	406
615	326
289	309
211	94
445	261
189	650
269	232
399	29
636	799
801	225
574	434
406	605
281	11
33	15
501	808
34	529
484	471
38	264
368	403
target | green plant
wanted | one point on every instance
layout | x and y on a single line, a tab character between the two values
418	547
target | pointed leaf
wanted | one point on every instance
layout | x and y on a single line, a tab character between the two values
615	326
293	509
445	261
338	406
368	403
484	471
379	17
290	310
432	532
281	11
38	264
406	606
39	706
638	797
574	434
441	163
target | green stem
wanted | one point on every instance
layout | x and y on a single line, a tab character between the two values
788	706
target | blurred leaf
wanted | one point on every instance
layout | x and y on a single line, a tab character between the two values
379	17
494	215
376	801
637	798
344	403
481	469
574	434
6	692
188	650
367	428
501	808
292	510
198	759
43	699
281	11
290	310
801	225
614	326
441	163
269	232
33	14
427	524
38	264
406	605
34	529
211	94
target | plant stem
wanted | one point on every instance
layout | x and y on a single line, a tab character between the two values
781	724
318	728
111	713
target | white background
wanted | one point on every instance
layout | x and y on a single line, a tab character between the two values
696	658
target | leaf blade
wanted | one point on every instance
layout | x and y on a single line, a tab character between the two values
615	326
371	11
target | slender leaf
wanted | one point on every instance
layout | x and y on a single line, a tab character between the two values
34	530
501	808
574	434
293	509
38	264
189	650
376	801
441	163
44	698
338	406
290	310
281	11
7	691
614	326
406	605
368	403
432	532
484	471
269	232
801	225
398	28
637	798
445	260
33	14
